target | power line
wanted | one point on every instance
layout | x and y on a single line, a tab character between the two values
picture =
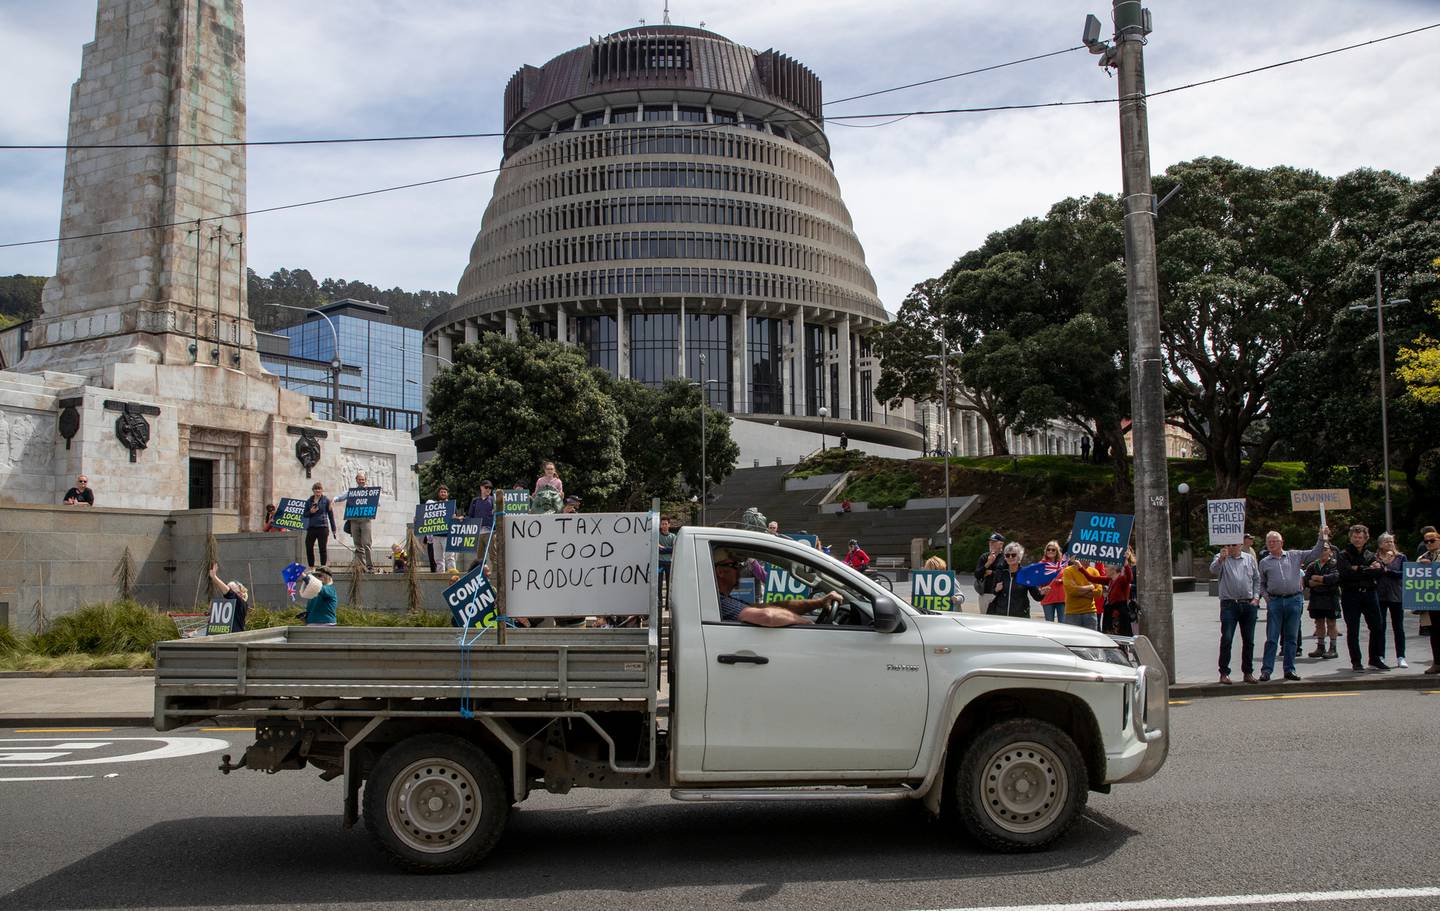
983	69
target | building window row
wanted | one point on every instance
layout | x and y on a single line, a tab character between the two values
665	174
577	249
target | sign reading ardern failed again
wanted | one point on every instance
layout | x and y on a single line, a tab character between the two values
595	564
1100	536
1227	521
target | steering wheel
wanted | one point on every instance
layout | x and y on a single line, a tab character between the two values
826	614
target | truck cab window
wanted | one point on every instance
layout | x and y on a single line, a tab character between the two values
770	588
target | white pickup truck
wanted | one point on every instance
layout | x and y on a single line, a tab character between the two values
1002	726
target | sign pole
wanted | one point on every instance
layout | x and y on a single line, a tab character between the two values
497	546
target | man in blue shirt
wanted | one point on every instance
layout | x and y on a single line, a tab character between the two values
482	508
783	613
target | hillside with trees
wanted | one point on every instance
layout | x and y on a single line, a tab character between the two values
297	287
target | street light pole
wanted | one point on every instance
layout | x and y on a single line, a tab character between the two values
704	407
944	359
334	360
1384	405
824	413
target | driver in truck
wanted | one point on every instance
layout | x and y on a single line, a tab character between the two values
783	613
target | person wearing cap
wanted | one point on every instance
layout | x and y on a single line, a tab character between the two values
320	609
986	567
1249	548
482	507
232	591
780	613
855	558
572	505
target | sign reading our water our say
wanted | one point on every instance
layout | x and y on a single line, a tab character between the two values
1227	521
1100	536
574	565
290	513
933	589
471	600
362	503
780	585
433	517
1420	588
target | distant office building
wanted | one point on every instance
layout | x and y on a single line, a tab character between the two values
380	364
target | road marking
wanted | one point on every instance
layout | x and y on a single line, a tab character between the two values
1297	696
169	748
1221	901
61	730
75	745
1179	701
50	778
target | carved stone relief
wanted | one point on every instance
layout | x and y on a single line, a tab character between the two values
379	469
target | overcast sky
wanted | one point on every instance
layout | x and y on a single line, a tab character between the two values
922	191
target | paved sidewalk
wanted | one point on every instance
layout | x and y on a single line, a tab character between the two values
111	700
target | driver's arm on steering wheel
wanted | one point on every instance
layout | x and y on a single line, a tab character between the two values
806	605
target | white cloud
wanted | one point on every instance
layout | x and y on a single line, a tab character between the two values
921	192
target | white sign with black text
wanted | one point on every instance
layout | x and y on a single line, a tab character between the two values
1227	521
579	565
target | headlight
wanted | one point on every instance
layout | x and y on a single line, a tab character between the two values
1103	655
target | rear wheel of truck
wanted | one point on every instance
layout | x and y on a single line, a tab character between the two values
436	803
1019	785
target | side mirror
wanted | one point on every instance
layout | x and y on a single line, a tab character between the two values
887	615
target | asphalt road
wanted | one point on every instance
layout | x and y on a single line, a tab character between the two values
1260	797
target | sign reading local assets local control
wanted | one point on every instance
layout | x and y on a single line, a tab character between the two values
595	564
433	517
934	589
362	503
1227	521
1100	536
1420	589
290	513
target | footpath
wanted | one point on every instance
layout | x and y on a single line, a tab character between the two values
126	698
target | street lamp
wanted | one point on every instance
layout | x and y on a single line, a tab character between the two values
824	413
944	358
704	407
334	360
1379	309
1185	505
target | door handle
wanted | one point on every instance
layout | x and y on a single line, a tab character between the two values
742	659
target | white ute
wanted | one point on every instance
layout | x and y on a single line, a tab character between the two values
1003	726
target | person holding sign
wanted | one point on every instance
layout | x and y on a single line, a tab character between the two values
781	613
358	526
1389	592
236	594
1239	606
319	519
445	560
1080	594
1281	583
1360	572
1429	622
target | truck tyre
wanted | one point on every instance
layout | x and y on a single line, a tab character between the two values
1019	785
436	803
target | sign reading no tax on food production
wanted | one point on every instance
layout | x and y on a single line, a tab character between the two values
780	585
362	503
471	600
1227	521
1100	536
1314	500
1420	589
290	513
596	564
433	517
934	589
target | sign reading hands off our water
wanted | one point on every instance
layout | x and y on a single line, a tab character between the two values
1100	536
580	565
362	503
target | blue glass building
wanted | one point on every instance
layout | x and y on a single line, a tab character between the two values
380	375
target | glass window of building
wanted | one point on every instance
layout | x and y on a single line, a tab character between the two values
692	114
654	341
659	112
596	335
815	373
623	115
767	357
709	334
592	119
723	116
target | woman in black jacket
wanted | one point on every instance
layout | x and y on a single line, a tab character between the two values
1323	579
1011	598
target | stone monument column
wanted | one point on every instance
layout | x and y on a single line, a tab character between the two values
153	267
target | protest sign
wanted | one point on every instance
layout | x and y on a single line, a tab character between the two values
1100	536
362	503
433	517
575	565
517	502
780	585
1420	588
222	617
464	538
933	589
290	513
1227	521
471	600
1319	499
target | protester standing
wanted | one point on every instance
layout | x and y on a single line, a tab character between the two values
443	560
1053	603
1389	591
234	592
1118	619
549	478
482	508
320	609
985	569
1429	620
1360	572
1281	582
1011	598
1322	577
1080	594
319	523
80	494
667	551
359	529
1239	606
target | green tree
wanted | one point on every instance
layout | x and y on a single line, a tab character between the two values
661	446
20	296
507	406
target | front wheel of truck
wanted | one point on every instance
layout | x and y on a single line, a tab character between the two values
1019	785
436	804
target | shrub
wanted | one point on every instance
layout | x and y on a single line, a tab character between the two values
831	461
9	642
884	489
104	629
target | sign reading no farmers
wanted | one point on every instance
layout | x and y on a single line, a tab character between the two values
1100	536
1227	521
596	564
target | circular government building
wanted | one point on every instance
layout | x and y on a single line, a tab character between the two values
667	203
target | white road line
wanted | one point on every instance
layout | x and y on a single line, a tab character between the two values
166	748
50	778
1220	901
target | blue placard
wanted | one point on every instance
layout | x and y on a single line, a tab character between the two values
289	513
433	517
1100	536
464	538
781	586
933	589
362	503
471	600
812	540
1420	590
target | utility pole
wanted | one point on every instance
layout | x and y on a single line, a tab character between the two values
1147	391
1384	409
